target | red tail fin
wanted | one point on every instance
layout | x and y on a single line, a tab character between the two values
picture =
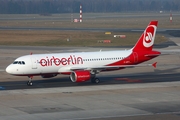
146	41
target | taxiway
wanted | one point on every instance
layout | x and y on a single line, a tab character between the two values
133	93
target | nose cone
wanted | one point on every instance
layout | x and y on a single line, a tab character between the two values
9	69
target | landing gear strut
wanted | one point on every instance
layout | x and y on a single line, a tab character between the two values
29	83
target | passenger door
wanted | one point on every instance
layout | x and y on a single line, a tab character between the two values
34	62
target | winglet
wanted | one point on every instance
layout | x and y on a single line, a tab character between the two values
154	64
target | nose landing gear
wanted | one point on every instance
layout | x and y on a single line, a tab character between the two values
29	83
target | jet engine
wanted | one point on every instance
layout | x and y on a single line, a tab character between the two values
80	76
48	75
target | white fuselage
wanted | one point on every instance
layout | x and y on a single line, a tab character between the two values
37	64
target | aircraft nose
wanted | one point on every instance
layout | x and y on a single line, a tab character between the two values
9	69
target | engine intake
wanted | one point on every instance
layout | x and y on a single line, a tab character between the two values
80	76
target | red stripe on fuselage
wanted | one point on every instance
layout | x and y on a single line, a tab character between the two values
135	58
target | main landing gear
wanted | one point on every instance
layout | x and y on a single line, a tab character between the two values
95	80
29	83
93	77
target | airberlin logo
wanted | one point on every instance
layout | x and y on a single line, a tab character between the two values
71	60
149	36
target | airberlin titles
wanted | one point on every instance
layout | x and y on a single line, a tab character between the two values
71	60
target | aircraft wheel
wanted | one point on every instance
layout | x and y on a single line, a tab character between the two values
95	80
29	83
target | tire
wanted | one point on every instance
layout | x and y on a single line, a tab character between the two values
95	80
29	83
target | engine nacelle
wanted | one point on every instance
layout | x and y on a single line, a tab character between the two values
48	75
80	76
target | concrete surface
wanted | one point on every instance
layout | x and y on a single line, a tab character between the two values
154	100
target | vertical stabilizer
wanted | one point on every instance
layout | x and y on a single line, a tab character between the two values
146	41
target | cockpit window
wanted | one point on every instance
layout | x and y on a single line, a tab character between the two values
19	62
15	62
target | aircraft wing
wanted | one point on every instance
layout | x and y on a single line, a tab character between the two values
112	67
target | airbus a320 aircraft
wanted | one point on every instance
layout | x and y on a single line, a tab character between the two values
83	66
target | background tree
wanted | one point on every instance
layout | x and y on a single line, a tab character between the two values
72	6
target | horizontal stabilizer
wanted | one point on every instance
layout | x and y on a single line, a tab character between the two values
152	55
154	64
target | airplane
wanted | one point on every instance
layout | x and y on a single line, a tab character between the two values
83	66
